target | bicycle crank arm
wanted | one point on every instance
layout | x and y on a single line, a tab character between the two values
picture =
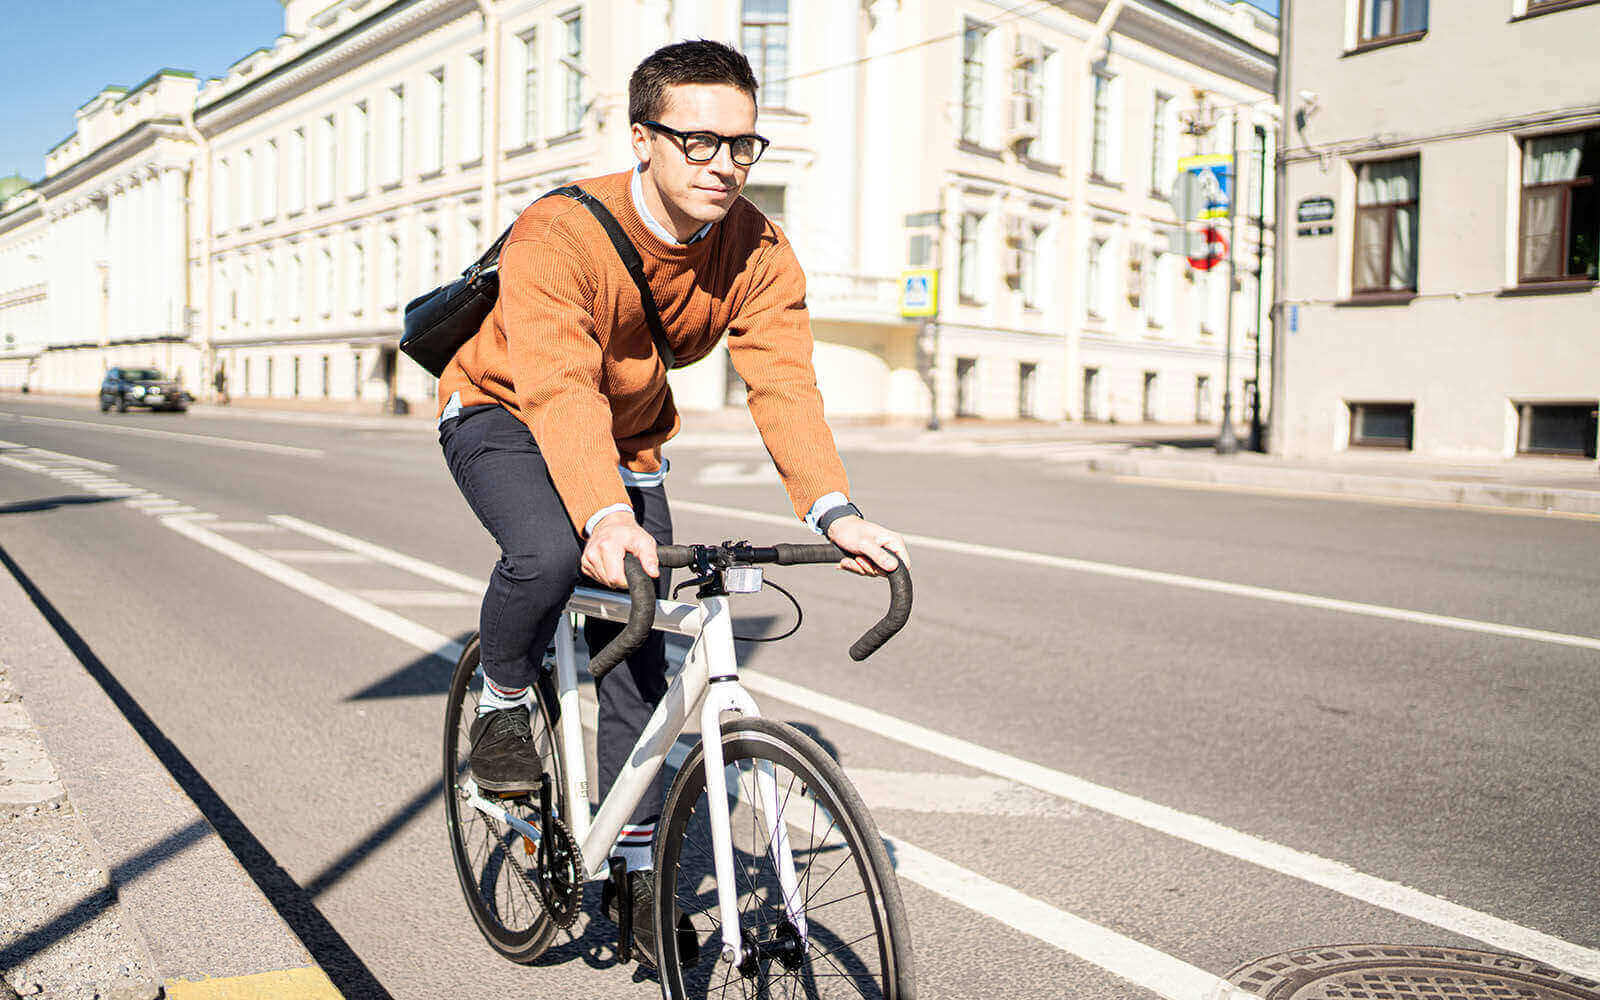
470	794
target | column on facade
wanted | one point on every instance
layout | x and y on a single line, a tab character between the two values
831	236
173	255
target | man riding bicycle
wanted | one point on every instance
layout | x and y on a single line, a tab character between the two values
553	416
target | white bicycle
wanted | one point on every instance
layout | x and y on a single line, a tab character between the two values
772	879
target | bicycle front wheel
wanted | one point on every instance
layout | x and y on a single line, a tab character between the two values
496	865
850	938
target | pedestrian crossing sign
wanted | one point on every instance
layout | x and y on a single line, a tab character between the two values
919	292
1212	175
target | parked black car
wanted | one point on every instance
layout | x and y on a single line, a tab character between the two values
125	387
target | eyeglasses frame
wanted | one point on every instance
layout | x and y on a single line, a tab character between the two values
722	140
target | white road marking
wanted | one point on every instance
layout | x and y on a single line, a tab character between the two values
58	456
1192	582
936	792
22	463
207	439
407	631
419	598
243	526
377	553
1334	875
319	556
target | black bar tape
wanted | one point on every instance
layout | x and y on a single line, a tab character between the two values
894	621
674	556
795	555
641	618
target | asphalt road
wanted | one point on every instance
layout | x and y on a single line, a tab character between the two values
1222	725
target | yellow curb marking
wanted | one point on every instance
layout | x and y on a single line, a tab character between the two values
1189	484
309	983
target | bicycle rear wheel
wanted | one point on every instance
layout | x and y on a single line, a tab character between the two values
856	942
496	866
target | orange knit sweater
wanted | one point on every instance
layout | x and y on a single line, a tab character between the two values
567	349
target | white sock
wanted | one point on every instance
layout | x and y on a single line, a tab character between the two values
633	846
495	697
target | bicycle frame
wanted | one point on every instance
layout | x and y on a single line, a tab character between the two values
709	680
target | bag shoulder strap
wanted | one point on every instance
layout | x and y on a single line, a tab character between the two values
630	260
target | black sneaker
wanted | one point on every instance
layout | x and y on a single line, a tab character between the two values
505	760
643	886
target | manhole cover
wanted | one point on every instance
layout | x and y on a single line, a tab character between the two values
1394	972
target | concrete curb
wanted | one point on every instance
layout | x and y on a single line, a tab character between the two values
1223	472
200	914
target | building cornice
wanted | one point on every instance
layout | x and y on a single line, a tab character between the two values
103	158
1166	26
373	35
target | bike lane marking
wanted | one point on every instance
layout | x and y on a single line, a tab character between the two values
1191	582
1329	874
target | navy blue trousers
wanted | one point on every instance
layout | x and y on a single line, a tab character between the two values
498	466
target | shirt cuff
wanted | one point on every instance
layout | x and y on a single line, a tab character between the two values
824	504
599	515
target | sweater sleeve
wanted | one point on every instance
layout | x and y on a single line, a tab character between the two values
769	342
555	359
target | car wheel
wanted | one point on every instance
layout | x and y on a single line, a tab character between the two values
122	404
105	404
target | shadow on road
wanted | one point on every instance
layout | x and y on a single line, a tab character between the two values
426	675
326	945
51	503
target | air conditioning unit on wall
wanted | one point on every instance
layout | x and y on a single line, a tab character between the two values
1022	121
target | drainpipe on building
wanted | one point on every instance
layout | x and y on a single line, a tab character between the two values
207	350
490	166
1276	434
1081	139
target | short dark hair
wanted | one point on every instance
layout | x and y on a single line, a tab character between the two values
698	61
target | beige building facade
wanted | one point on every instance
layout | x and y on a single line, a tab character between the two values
1440	228
373	150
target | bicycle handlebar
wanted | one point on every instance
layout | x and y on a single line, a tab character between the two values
642	592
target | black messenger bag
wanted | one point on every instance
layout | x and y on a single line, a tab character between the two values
439	322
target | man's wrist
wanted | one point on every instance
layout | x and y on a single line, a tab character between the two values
604	512
835	513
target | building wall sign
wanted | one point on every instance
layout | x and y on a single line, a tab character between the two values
1314	216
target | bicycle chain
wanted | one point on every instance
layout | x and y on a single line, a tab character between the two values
560	861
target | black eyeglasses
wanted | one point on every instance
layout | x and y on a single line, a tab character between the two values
701	147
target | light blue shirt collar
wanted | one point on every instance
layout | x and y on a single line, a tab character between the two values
636	188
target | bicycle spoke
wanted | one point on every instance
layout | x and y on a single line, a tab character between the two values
841	973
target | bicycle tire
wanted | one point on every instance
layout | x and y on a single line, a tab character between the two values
813	794
493	865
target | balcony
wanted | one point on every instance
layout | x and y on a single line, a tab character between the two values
853	298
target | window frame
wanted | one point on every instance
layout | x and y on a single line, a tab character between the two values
1388	209
1100	129
1357	440
766	26
571	59
1564	216
973	71
1391	37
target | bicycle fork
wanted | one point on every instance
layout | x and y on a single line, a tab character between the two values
726	695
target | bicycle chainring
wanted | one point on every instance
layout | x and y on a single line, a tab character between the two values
560	873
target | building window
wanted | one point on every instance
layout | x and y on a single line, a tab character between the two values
530	87
769	198
1557	429
1094	280
1386	226
1091	394
1202	399
764	37
389	273
433	121
219	212
432	256
269	291
967	262
1028	271
394	130
1149	405
572	69
1158	310
325	280
966	387
973	40
360	147
297	285
472	102
1381	425
1027	390
269	180
246	180
1027	93
1560	208
471	240
356	276
295	190
1161	146
327	167
1386	20
1101	164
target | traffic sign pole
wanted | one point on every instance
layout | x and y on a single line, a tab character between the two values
1227	441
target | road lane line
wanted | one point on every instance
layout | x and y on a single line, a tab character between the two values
1334	875
419	598
320	556
219	442
58	456
1193	583
407	631
426	570
245	526
1329	874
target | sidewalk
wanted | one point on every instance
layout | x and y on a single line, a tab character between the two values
114	885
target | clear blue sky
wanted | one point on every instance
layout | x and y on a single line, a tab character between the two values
57	54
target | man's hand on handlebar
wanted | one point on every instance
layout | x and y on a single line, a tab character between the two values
614	537
876	550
